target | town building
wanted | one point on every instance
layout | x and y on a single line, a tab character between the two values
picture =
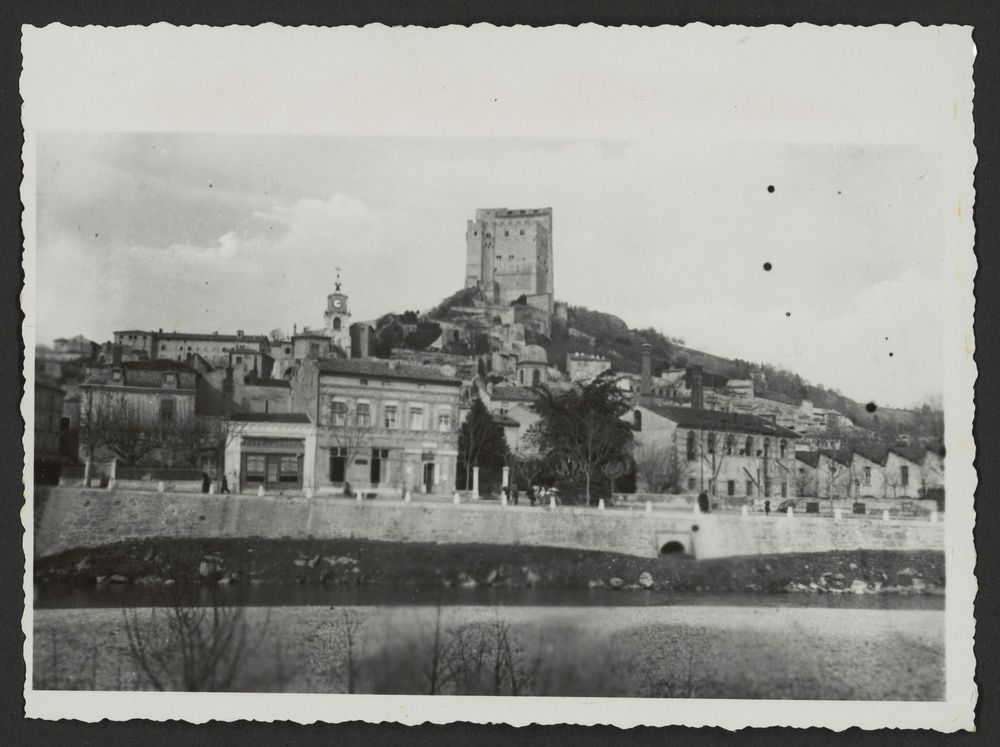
585	367
120	400
48	430
509	255
729	455
179	346
273	451
532	366
382	426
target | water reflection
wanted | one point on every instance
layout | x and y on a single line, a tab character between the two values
58	596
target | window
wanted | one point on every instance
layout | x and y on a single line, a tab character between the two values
255	467
338	413
416	418
170	379
904	475
711	443
691	451
767	487
866	476
116	375
390	414
313	348
691	483
730	445
338	464
784	489
767	449
166	410
749	488
288	350
163	346
506	233
731	487
748	449
289	469
444	421
782	447
637	420
239	358
364	382
536	377
522	232
364	414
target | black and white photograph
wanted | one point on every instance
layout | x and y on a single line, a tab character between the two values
562	375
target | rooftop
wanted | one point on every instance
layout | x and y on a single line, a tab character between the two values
270	417
689	417
842	456
783	399
215	336
385	369
808	457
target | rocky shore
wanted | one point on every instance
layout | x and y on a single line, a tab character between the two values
366	562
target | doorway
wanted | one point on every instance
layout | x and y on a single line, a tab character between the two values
429	477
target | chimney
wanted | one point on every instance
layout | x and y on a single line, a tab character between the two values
239	333
295	329
646	387
363	340
116	355
697	390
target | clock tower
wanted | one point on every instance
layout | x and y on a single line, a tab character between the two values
337	318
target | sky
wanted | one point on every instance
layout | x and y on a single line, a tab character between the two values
210	228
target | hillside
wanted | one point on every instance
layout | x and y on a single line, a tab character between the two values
612	338
597	332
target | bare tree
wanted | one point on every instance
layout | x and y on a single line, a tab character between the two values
352	433
192	648
806	483
276	336
658	467
122	427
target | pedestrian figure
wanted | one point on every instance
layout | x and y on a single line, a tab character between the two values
703	503
767	508
206	482
516	493
531	494
225	485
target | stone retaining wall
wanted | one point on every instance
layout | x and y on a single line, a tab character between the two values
73	517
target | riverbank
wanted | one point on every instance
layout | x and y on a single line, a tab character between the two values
675	652
349	562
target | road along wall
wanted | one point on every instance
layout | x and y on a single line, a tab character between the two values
74	517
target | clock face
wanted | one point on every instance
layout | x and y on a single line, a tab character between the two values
337	303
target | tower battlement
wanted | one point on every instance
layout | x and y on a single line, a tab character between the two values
509	254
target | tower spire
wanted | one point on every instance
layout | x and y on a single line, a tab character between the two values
337	283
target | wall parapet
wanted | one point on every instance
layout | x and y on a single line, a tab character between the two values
74	517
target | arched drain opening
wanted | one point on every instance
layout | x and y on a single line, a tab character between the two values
672	548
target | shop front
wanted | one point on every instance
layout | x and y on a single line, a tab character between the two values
274	452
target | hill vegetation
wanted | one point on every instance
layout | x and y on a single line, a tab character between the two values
597	332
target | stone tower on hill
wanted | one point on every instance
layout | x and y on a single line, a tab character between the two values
509	255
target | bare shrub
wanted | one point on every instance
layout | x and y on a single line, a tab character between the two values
182	645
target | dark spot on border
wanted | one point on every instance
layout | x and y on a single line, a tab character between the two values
871	407
767	267
770	189
890	354
788	313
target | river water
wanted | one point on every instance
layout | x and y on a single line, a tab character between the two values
55	596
